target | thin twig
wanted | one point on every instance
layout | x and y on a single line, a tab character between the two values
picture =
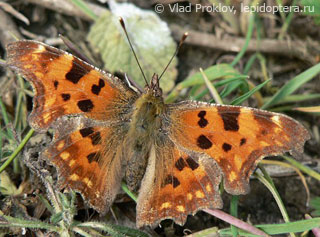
67	8
235	221
8	29
306	51
8	8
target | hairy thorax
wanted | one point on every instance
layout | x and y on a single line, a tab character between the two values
145	125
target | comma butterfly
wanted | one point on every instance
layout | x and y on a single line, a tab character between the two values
174	154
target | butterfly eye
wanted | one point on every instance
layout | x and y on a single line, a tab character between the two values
157	92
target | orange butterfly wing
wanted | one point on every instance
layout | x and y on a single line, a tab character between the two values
204	143
176	183
236	137
87	108
87	158
65	84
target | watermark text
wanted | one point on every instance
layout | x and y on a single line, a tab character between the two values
221	8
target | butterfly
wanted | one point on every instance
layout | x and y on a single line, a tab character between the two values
174	155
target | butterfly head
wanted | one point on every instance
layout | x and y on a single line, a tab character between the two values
154	87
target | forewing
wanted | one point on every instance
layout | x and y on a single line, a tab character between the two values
64	84
236	138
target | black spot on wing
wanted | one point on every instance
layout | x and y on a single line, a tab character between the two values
101	83
175	182
243	141
85	105
203	142
86	131
180	164
202	122
226	147
65	96
94	156
77	71
95	89
55	84
192	164
230	118
170	179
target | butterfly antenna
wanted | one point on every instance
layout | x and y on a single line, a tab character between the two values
134	53
183	38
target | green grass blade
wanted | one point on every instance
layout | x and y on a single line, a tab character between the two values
17	150
266	175
277	229
315	203
1	142
267	181
230	80
6	120
194	91
213	91
282	14
84	7
286	24
198	96
230	88
234	212
276	196
249	63
246	44
127	191
213	72
19	116
293	85
303	168
297	98
247	95
282	108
